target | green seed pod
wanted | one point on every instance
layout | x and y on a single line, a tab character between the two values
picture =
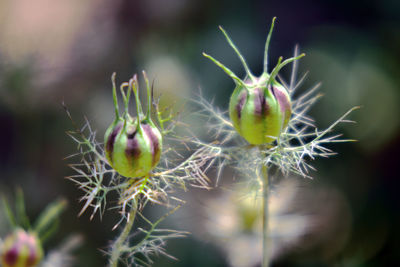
260	107
133	146
260	112
21	249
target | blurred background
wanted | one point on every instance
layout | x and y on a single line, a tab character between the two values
66	50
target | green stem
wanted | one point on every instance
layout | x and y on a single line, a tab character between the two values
267	46
118	246
149	96
122	88
280	65
248	72
227	71
115	99
135	89
49	217
265	213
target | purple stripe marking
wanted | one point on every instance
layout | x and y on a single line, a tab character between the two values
240	104
260	104
11	256
111	140
132	150
32	256
284	104
154	143
282	99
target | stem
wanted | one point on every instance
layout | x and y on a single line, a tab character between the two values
248	72
49	216
20	209
224	68
267	46
115	99
280	65
135	89
125	97
118	246
149	96
265	213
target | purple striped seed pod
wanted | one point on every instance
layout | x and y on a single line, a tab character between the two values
21	249
260	107
260	112
133	146
132	150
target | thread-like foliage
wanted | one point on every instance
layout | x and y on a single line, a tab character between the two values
299	143
184	162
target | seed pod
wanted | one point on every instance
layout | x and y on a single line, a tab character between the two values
259	113
133	150
260	107
133	146
21	249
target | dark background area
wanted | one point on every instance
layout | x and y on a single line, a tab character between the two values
55	51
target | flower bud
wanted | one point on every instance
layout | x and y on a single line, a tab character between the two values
260	112
21	249
133	146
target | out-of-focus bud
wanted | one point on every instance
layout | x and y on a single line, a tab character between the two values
21	249
133	146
